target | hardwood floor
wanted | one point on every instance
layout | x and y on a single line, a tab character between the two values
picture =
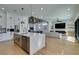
9	48
54	46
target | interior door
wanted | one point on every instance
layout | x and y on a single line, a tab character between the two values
77	29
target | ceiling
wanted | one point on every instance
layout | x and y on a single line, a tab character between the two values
16	8
63	11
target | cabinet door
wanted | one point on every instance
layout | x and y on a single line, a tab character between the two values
17	39
26	43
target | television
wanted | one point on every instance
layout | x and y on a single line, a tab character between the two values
60	26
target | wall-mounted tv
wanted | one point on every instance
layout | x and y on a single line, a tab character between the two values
60	26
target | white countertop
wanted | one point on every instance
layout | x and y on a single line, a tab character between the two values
30	34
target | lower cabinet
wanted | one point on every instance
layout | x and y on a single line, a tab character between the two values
23	42
26	43
18	39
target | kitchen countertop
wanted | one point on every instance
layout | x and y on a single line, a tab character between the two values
30	34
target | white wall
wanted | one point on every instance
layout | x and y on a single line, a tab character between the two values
69	24
77	16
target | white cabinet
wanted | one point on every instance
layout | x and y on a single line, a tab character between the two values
3	19
37	42
0	21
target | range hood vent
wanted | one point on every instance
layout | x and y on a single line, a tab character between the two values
33	19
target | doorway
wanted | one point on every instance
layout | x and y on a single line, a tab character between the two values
77	29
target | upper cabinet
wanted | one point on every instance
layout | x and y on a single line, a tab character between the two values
3	20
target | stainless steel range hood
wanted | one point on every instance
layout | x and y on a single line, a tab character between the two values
33	20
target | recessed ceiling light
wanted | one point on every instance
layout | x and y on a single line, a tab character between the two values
42	8
32	12
2	8
68	9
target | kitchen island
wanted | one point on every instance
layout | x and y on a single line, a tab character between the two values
30	42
